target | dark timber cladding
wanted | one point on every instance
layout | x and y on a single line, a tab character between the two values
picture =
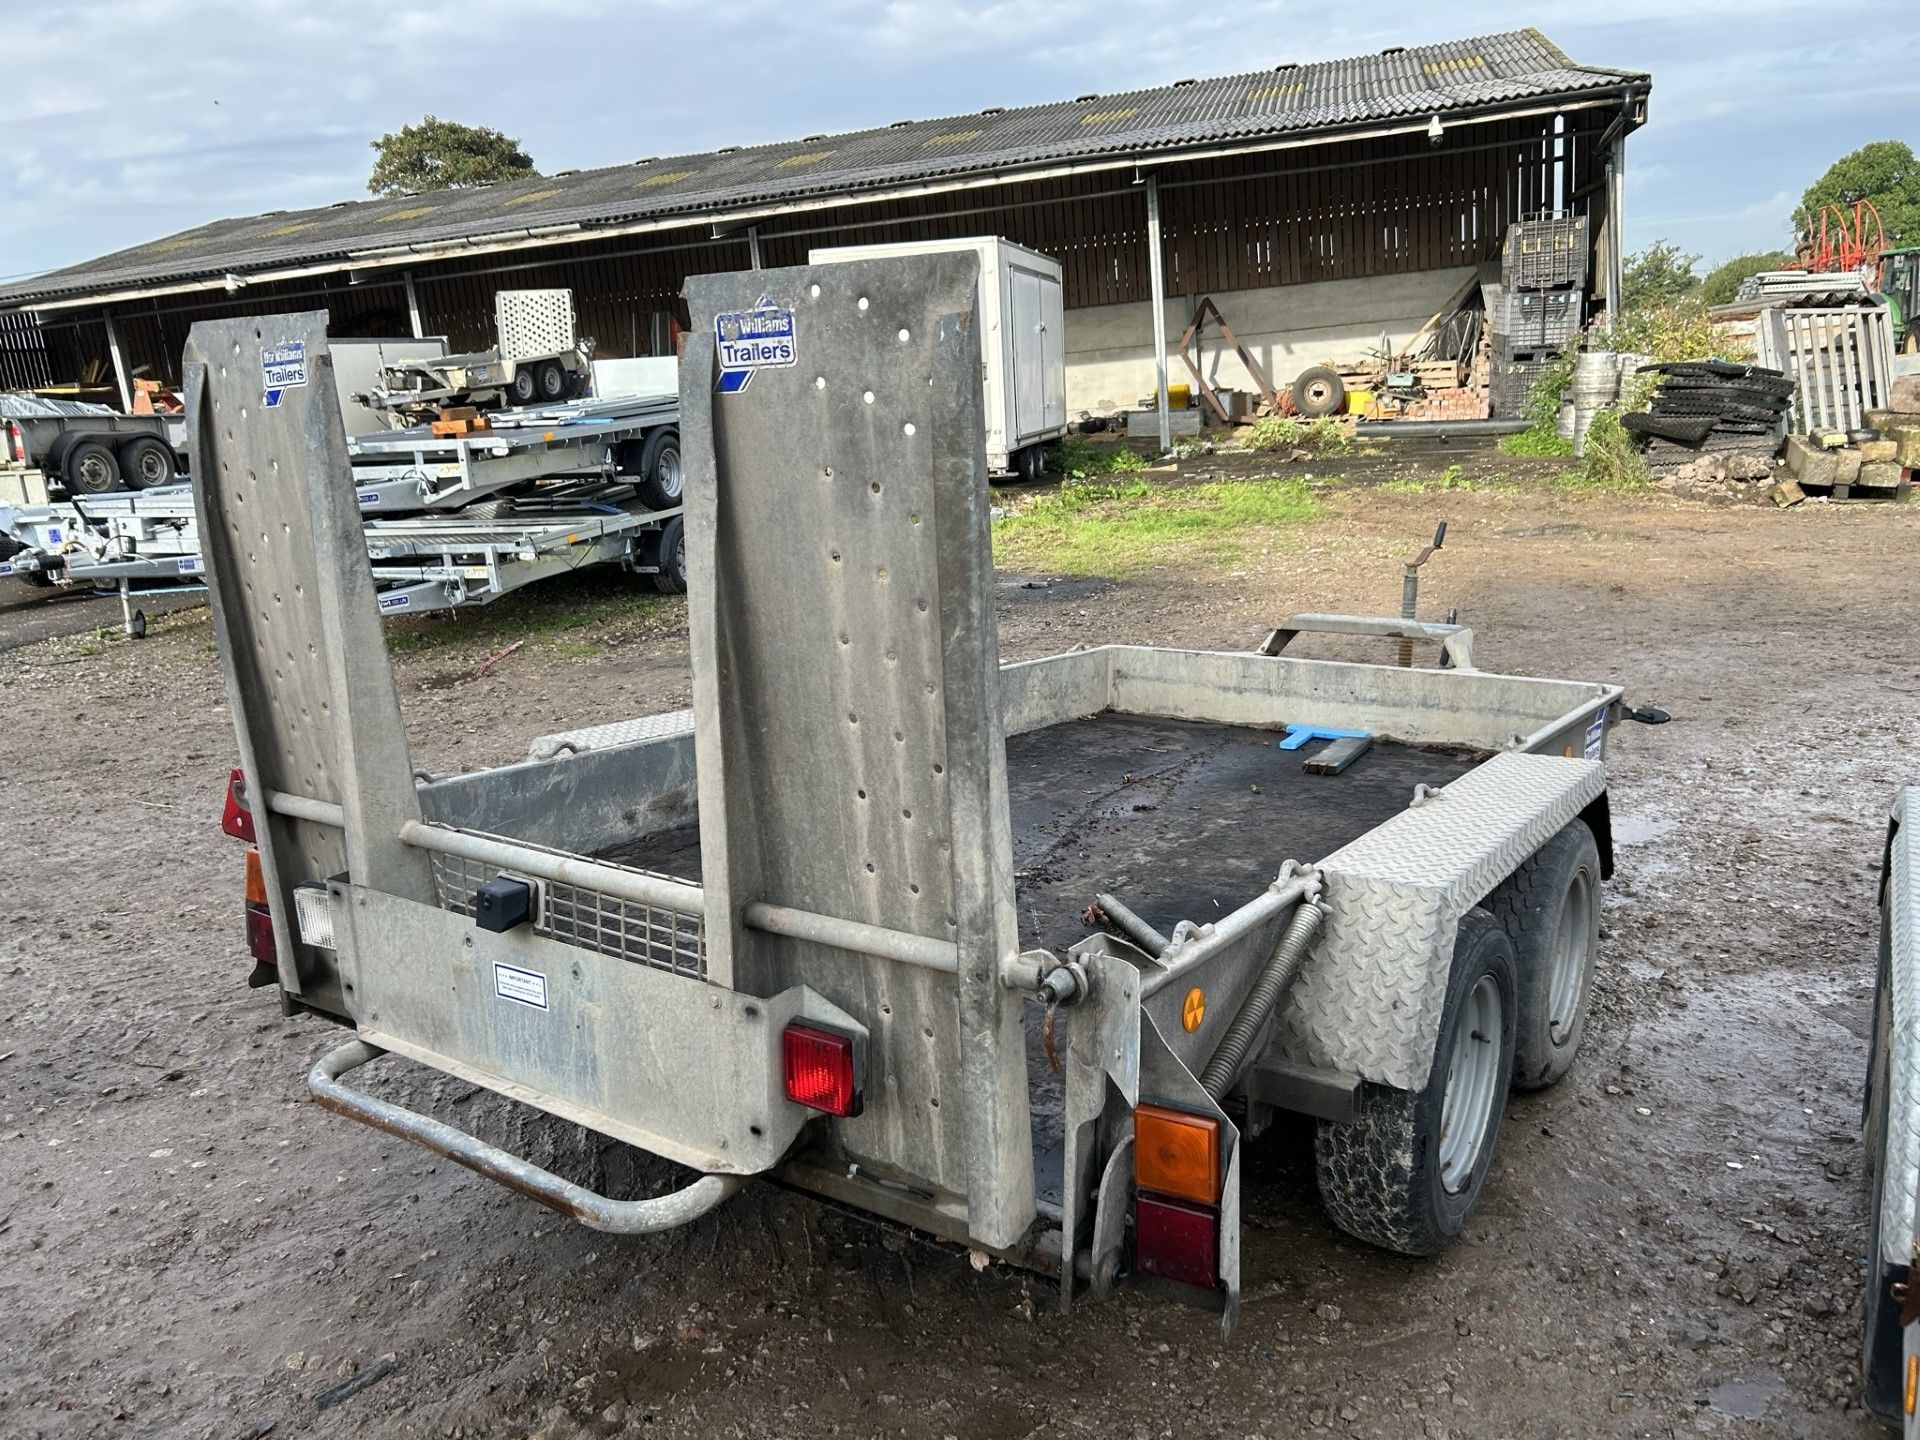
1290	175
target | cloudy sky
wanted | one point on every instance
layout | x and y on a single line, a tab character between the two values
125	120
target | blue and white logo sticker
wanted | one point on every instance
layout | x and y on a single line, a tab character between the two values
1596	735
368	499
395	602
190	565
282	368
748	340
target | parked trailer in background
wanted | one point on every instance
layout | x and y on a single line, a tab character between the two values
89	449
450	521
640	929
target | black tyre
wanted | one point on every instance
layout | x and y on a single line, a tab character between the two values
524	388
671	578
550	381
1880	1339
147	462
1318	392
1406	1174
1550	909
662	482
1030	463
90	469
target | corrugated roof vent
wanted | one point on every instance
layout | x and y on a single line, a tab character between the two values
342	204
1394	50
1083	99
1182	84
559	173
994	110
900	124
648	161
726	150
1289	65
812	137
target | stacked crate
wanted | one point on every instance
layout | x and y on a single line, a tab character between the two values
1537	310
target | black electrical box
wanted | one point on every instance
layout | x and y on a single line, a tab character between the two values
502	903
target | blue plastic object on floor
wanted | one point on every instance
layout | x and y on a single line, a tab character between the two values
1299	735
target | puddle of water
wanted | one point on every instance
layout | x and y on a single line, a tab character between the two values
1640	829
1746	1398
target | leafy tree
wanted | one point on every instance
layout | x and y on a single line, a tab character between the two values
1658	275
441	154
1884	172
1723	281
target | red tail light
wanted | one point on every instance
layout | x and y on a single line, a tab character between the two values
820	1068
16	452
1177	1241
260	942
235	818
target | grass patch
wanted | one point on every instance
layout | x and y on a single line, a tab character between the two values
1076	458
1451	480
1110	529
1539	439
549	615
1325	436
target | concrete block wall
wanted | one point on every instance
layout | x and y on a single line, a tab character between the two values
1288	328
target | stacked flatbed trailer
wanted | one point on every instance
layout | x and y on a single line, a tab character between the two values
450	521
828	927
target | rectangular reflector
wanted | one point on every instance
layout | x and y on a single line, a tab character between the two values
256	880
819	1066
1177	1153
1176	1241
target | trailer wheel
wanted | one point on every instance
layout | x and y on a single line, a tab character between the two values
147	462
90	469
671	578
1550	909
663	483
1319	391
525	385
550	379
1030	463
1406	1173
1880	1339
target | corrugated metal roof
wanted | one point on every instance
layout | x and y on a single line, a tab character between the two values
1485	73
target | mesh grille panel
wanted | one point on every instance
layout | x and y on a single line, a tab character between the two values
607	924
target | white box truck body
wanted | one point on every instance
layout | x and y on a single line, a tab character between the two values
1023	337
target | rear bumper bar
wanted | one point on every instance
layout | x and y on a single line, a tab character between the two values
619	1217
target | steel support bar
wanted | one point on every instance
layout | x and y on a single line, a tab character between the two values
875	940
413	306
300	807
1156	272
598	1212
1616	238
635	885
1189	954
121	378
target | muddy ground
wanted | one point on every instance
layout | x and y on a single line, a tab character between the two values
1669	1242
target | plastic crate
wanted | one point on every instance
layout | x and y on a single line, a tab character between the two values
1545	254
1534	320
1512	385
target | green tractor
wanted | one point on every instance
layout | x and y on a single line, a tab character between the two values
1900	283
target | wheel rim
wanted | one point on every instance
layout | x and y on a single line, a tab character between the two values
1319	392
93	474
552	382
1569	976
152	468
1472	1077
669	472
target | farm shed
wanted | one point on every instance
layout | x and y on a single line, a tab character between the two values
1322	206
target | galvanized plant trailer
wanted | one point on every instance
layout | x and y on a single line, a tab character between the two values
1890	1350
829	929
